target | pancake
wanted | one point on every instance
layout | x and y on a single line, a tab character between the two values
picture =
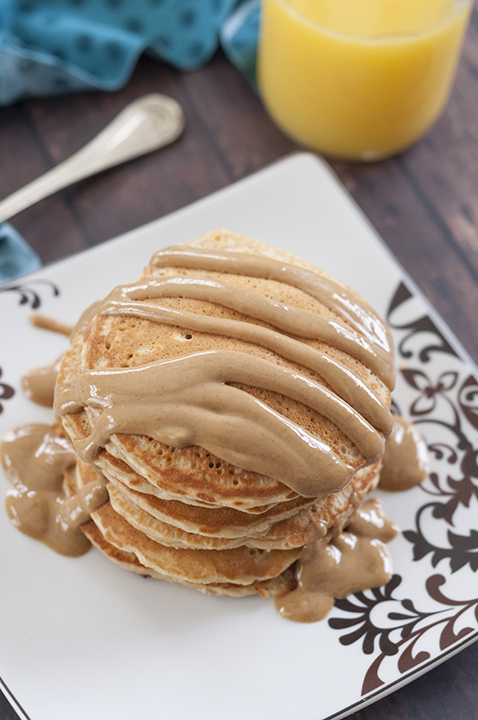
235	400
241	566
278	585
301	528
207	520
192	474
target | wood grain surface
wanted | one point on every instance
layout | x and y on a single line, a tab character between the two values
424	204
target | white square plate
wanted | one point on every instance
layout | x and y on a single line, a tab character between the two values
83	638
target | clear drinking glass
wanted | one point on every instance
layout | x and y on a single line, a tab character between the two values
359	79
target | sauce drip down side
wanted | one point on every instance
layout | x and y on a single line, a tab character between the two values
405	462
35	459
39	384
356	559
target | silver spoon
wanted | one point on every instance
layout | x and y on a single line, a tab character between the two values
144	125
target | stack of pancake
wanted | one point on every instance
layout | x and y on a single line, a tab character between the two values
188	504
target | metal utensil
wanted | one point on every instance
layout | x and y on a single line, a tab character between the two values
144	125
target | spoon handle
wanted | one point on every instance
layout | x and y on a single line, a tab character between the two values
145	125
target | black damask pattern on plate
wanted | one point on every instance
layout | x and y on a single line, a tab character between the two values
421	325
28	295
444	402
401	626
6	392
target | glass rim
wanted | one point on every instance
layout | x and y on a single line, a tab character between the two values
456	6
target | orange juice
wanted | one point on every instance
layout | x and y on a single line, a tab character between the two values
359	79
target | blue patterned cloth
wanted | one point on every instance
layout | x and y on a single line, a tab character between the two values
16	256
48	47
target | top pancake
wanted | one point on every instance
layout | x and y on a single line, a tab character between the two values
192	474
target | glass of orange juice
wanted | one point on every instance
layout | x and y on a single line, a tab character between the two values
359	79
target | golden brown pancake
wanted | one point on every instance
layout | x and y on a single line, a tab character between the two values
183	513
147	515
207	520
191	474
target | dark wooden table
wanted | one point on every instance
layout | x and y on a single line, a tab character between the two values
424	204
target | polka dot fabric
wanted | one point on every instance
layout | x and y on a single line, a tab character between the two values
53	46
48	47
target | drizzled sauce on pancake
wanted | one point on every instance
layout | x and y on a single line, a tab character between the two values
190	400
35	457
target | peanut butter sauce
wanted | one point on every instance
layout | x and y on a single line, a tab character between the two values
35	459
405	463
330	293
189	401
356	559
340	378
39	384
